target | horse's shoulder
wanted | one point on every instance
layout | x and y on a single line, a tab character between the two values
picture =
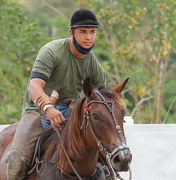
8	132
6	137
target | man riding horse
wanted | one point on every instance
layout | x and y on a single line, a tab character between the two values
60	65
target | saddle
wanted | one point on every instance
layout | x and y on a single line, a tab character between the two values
38	152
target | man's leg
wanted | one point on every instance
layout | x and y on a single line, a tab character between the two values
19	158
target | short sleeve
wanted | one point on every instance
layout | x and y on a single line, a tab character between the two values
44	62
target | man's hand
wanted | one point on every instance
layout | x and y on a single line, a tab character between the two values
56	118
37	94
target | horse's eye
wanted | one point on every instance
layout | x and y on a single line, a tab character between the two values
95	116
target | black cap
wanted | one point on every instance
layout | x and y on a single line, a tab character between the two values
84	18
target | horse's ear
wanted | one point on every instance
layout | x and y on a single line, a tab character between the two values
118	88
88	88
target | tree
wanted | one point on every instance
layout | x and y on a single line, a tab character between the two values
21	38
139	38
136	40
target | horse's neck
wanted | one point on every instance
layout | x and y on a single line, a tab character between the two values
54	158
84	165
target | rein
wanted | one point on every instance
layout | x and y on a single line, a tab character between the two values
66	154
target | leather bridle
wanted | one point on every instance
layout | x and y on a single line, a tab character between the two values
87	117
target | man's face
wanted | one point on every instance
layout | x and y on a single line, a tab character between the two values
85	36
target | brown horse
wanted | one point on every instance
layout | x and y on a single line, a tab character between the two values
95	125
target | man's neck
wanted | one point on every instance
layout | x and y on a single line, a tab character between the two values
75	52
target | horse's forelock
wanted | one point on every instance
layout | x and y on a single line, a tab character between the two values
106	92
112	95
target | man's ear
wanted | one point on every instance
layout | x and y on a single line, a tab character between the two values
71	32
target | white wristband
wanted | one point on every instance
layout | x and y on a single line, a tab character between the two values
47	106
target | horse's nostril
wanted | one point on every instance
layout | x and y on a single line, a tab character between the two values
116	160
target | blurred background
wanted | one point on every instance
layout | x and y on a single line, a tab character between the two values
136	39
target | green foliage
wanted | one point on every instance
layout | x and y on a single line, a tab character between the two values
62	25
169	92
136	39
139	37
21	38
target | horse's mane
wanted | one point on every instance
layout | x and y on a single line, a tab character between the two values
73	141
72	136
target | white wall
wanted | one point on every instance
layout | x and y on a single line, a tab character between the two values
2	127
154	152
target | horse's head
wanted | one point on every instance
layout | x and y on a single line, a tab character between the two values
104	113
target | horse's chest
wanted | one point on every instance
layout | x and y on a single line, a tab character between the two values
47	170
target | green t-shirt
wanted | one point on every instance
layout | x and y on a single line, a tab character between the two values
65	72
